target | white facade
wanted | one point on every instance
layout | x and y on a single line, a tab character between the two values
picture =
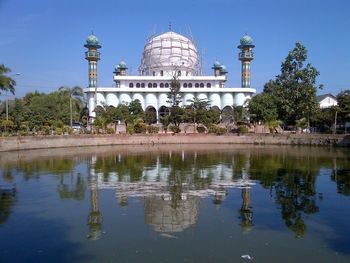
327	101
165	56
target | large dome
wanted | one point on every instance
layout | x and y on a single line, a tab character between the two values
167	53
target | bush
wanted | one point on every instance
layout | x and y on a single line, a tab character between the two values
152	129
58	124
130	129
217	129
67	129
242	129
59	131
45	130
174	128
23	133
201	129
110	130
140	126
7	125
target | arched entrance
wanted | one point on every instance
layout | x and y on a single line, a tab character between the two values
150	115
226	115
163	110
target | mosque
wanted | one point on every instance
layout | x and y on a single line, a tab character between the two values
165	56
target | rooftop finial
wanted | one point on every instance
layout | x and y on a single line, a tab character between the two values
170	26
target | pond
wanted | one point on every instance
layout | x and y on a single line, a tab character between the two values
180	203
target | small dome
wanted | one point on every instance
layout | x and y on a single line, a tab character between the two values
122	65
92	40
217	64
223	69
246	40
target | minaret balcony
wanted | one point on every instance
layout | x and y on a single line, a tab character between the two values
92	54
246	55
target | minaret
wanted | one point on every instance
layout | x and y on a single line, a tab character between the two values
246	56
92	56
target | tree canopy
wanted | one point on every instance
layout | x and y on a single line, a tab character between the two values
6	83
292	92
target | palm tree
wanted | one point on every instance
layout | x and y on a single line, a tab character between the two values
6	83
75	93
199	108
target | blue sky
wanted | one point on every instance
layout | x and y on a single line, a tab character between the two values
43	39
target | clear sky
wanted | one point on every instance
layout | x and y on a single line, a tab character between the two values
43	39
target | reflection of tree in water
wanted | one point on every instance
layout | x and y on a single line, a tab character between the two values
36	167
7	201
72	187
342	179
294	188
296	193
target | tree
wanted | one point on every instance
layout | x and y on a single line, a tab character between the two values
76	93
174	95
294	89
135	109
262	107
197	111
174	99
6	83
343	99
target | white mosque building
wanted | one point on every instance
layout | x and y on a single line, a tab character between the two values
165	56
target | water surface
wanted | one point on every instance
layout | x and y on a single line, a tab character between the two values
190	203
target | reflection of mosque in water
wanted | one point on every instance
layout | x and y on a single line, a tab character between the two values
170	195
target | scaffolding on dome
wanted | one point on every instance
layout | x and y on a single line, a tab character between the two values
168	53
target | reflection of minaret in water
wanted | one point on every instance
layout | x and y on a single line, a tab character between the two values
95	217
246	213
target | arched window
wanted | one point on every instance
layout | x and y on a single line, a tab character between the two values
202	85
149	85
179	73
167	85
185	85
142	85
131	85
197	85
154	85
161	73
190	85
208	85
161	85
137	85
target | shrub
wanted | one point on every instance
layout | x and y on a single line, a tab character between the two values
152	129
59	131
221	130
58	124
217	129
242	129
22	133
140	126
201	129
45	130
7	125
110	130
67	129
174	128
130	129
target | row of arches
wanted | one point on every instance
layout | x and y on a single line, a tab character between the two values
167	85
225	113
156	100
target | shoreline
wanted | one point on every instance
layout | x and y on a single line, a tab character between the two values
64	141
